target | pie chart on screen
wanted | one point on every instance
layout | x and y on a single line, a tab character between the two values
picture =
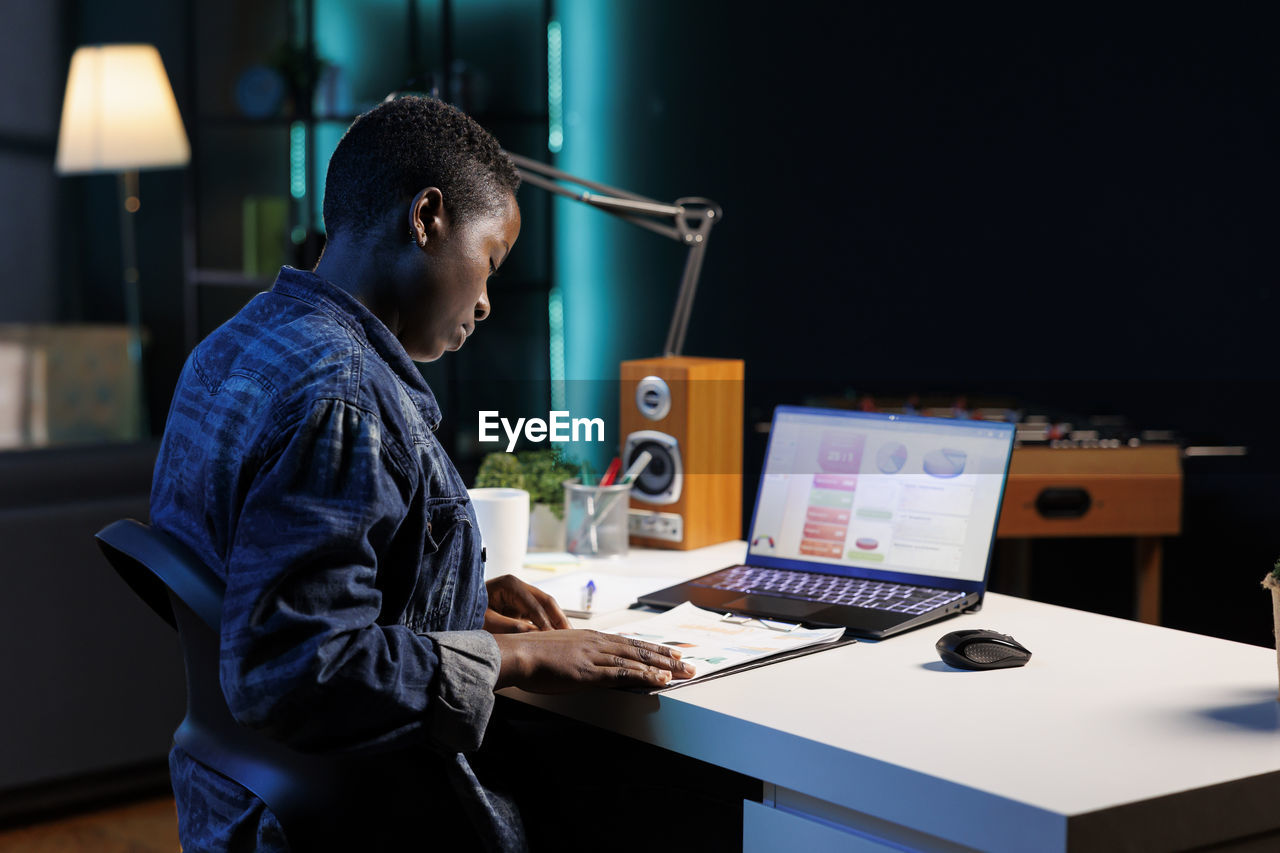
891	457
945	463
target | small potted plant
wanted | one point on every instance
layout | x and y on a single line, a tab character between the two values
500	471
1272	582
542	474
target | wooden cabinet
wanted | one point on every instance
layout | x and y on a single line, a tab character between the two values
1125	491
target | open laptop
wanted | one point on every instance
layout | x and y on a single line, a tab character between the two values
877	522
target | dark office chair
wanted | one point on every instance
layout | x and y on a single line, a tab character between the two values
305	792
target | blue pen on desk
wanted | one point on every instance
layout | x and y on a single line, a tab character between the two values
588	593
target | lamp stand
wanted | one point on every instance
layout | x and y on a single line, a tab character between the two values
129	204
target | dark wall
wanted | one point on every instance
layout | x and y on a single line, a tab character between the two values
958	196
1073	212
31	51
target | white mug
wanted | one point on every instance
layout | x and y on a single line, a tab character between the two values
503	515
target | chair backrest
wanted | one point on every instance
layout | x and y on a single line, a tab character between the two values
153	564
305	792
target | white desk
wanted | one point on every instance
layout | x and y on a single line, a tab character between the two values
1117	735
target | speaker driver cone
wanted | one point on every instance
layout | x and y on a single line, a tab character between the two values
658	474
660	481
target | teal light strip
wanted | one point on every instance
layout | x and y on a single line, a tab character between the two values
555	319
298	159
555	89
555	140
586	243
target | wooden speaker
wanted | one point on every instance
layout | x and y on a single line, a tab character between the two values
687	412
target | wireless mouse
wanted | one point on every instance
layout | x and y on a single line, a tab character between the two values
977	648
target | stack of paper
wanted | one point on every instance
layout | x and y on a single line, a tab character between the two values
716	644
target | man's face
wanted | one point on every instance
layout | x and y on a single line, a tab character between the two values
450	294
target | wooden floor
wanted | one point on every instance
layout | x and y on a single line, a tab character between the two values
149	826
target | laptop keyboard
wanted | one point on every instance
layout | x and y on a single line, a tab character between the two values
832	589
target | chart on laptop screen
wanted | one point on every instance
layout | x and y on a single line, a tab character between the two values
908	495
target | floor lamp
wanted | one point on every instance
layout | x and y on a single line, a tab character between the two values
119	116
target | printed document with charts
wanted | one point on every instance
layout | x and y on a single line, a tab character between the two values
717	644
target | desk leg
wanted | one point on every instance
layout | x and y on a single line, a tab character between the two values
1014	567
1148	552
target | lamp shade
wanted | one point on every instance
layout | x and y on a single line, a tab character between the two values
119	113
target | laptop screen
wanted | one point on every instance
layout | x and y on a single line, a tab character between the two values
880	495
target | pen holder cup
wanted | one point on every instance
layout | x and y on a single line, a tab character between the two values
596	519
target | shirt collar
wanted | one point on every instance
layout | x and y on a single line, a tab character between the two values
352	313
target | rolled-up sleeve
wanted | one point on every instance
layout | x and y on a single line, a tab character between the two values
303	656
462	698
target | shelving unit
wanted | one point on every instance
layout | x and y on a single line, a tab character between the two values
489	54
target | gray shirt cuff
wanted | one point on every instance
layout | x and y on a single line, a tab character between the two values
463	697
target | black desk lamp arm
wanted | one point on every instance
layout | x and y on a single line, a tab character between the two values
691	221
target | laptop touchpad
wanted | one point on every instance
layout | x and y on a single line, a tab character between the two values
774	608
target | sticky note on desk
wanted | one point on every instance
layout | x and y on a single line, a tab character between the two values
552	561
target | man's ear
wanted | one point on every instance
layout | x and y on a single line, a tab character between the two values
428	222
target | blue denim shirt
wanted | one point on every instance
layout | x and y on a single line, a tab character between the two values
299	462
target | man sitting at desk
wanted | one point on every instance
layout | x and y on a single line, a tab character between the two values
299	462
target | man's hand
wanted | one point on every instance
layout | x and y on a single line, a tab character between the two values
561	661
516	607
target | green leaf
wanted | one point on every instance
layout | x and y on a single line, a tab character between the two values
500	470
544	474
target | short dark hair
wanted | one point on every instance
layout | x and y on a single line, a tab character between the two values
404	145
